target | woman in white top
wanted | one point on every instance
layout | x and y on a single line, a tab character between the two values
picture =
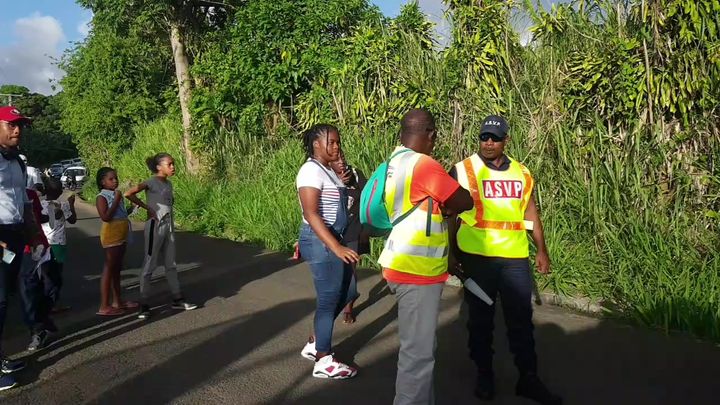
323	199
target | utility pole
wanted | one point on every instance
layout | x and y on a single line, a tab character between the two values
10	97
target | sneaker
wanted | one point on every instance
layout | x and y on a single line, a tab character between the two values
183	305
328	367
309	351
37	341
530	386
6	382
144	312
8	366
485	387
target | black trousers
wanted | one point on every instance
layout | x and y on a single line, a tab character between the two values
9	272
511	279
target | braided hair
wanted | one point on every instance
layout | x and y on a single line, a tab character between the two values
153	161
104	171
313	134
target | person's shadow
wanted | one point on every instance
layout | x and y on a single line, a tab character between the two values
587	361
225	267
379	291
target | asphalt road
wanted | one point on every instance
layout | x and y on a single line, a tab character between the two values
242	346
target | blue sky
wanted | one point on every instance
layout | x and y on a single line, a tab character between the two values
35	32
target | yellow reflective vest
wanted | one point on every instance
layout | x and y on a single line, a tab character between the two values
415	245
495	227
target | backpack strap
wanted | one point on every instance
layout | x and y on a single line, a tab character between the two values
399	219
327	174
387	166
23	167
13	154
400	152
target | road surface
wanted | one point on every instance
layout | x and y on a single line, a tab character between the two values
242	346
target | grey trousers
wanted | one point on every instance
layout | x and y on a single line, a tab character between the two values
418	309
159	242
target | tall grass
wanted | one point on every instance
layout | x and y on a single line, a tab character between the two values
624	208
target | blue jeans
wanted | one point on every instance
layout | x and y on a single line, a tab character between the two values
335	285
36	308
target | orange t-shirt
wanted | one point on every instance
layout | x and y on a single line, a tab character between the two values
429	180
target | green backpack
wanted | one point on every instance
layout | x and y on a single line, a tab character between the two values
373	211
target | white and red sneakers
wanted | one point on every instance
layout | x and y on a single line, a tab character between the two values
329	367
309	351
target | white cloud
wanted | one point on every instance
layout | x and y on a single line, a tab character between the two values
435	10
30	60
85	25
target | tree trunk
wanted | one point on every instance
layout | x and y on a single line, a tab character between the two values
182	71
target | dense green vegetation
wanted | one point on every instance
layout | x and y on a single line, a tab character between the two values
44	142
613	106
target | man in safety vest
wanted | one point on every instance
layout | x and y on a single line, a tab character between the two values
415	258
492	247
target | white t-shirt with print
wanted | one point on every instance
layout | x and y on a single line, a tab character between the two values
55	228
314	175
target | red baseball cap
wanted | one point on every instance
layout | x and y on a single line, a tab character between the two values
12	114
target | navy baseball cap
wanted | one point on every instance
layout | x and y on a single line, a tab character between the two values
496	125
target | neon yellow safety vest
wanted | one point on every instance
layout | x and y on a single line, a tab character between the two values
409	249
495	227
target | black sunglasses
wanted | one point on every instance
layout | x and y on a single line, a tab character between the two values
486	136
15	124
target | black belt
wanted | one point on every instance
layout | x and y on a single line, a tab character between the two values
12	227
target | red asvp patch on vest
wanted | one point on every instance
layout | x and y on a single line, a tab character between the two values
503	189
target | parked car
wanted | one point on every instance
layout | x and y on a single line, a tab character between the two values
78	162
66	164
74	177
56	170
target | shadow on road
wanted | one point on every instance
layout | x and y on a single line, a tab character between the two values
226	268
376	293
194	367
610	363
587	361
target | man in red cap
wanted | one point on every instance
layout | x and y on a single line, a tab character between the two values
16	219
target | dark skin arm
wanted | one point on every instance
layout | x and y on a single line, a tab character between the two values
542	259
454	266
73	215
59	213
31	226
132	196
309	198
459	201
364	240
106	213
453	226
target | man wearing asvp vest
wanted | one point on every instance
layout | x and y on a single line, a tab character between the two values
492	246
415	258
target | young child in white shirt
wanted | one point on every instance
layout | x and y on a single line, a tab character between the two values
59	213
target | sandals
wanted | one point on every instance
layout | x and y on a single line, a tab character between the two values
129	305
111	311
115	311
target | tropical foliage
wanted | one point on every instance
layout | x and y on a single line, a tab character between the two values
44	142
613	106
